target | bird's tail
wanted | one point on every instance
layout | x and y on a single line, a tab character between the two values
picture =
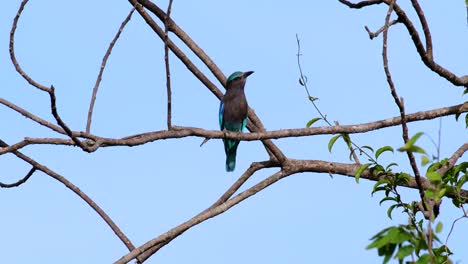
230	146
231	162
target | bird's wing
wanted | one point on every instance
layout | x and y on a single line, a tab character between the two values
221	115
244	124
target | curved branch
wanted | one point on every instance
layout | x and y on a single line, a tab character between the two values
12	51
425	27
78	192
53	107
426	55
21	181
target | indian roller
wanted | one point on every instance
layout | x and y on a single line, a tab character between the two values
233	114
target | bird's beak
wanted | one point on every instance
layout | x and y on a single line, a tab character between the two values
247	73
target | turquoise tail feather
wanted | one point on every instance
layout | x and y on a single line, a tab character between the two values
230	145
230	162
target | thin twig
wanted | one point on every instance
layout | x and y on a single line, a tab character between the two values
373	35
53	107
103	66
414	34
31	116
21	181
12	51
399	102
425	27
465	215
166	62
303	82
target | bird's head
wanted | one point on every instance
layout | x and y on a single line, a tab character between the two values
237	76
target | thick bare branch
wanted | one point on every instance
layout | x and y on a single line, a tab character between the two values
453	159
96	142
77	191
291	167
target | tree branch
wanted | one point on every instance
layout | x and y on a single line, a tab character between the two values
21	181
12	51
291	167
77	191
399	102
254	124
103	66
453	159
166	62
96	142
426	56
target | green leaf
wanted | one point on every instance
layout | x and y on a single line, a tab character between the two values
387	169
312	99
312	121
438	228
414	138
332	141
368	147
466	120
441	193
423	259
402	178
382	150
347	139
463	179
424	160
434	177
429	193
360	170
387	199
409	146
416	149
390	209
404	251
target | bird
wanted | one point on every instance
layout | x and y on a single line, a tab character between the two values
233	114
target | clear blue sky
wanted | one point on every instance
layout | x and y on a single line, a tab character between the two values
305	218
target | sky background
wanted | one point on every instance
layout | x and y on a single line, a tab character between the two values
146	190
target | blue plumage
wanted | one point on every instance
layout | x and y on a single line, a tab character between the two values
233	114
